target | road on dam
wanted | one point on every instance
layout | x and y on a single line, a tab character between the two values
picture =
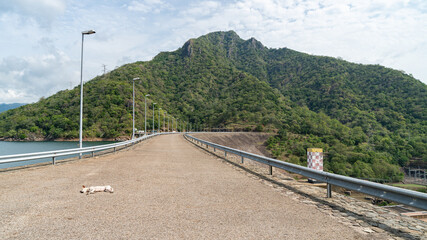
165	188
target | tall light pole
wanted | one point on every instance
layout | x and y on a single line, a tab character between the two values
133	107
145	113
81	91
160	122
153	117
169	118
164	121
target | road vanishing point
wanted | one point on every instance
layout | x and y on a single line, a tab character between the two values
165	188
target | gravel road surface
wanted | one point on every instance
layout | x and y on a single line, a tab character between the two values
165	188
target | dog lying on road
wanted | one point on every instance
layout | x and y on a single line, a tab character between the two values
93	189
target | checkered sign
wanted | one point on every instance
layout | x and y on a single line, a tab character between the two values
315	158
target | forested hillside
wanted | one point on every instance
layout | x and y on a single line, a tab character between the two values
369	119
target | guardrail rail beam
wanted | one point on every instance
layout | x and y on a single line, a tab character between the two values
395	194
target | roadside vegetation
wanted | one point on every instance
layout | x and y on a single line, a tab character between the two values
415	187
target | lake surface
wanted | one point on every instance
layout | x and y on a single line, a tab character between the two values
8	148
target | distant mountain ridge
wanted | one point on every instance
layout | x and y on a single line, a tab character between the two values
368	118
7	106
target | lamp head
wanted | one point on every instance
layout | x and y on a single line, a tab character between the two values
147	95
88	32
137	78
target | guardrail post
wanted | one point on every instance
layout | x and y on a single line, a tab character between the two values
270	170
114	149
329	191
93	153
225	154
214	149
242	160
53	160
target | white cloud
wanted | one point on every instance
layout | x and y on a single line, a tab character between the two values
201	9
26	79
41	51
146	6
42	11
10	96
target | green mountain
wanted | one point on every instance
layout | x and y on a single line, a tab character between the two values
369	119
7	106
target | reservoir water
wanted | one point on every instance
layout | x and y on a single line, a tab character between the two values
8	148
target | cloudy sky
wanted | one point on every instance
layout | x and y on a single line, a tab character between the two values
41	39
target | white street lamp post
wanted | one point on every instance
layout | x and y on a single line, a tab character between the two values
81	91
145	113
153	117
160	122
133	108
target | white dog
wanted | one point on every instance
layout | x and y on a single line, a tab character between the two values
93	189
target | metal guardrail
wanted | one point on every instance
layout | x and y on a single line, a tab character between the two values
59	153
395	194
